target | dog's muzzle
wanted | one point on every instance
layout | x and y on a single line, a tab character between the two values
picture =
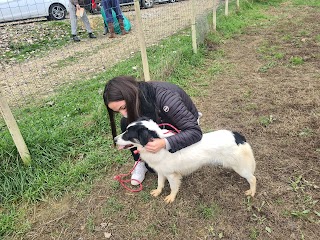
120	147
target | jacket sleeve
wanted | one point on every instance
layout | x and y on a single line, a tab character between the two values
74	2
177	113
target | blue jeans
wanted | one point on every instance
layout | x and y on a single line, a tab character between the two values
111	4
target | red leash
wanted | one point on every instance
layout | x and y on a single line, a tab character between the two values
123	181
176	130
120	176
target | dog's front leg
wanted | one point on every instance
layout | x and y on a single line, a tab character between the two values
161	181
175	181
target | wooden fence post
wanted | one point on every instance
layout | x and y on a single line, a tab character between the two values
193	26
238	5
214	15
142	41
14	130
226	10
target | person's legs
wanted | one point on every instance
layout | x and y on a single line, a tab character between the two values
106	4
73	21
105	24
86	22
121	25
117	9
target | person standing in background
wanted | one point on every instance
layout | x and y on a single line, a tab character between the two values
76	5
108	6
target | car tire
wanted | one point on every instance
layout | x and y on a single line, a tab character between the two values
147	3
172	1
57	12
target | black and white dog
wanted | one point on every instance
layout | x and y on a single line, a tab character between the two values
221	147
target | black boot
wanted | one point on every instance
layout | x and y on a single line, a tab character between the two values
91	35
75	38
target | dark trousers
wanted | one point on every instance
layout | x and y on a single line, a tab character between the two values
136	156
111	4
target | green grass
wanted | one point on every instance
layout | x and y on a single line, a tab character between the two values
271	54
266	120
45	36
69	139
296	60
312	3
305	204
208	211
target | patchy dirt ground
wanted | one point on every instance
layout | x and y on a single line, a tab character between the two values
272	97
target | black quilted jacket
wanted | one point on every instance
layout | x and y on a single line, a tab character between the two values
175	107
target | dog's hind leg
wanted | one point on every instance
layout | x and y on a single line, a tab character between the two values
175	181
245	167
253	183
161	181
251	180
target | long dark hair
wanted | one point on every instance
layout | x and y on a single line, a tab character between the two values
139	97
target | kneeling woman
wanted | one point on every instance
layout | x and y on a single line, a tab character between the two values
162	102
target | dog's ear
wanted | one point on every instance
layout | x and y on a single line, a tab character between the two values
144	136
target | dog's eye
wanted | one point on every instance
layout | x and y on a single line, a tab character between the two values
125	136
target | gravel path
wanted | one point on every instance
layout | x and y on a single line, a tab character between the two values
78	61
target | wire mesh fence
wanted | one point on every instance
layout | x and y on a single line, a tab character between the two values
29	69
39	56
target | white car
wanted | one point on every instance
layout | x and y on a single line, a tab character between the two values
12	10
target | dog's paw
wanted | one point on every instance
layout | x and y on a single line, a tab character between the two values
249	193
155	192
170	198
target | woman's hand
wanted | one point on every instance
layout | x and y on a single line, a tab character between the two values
155	145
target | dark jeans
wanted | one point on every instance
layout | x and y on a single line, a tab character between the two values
111	4
136	156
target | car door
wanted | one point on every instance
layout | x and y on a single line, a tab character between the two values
21	9
7	7
32	8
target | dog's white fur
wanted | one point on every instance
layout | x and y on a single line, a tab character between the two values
215	148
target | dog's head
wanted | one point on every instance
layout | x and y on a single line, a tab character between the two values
138	134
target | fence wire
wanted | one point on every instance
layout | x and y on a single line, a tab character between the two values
39	56
29	71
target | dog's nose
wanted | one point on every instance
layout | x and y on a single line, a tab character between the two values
115	139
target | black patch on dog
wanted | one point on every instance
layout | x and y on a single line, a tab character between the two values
239	138
139	133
